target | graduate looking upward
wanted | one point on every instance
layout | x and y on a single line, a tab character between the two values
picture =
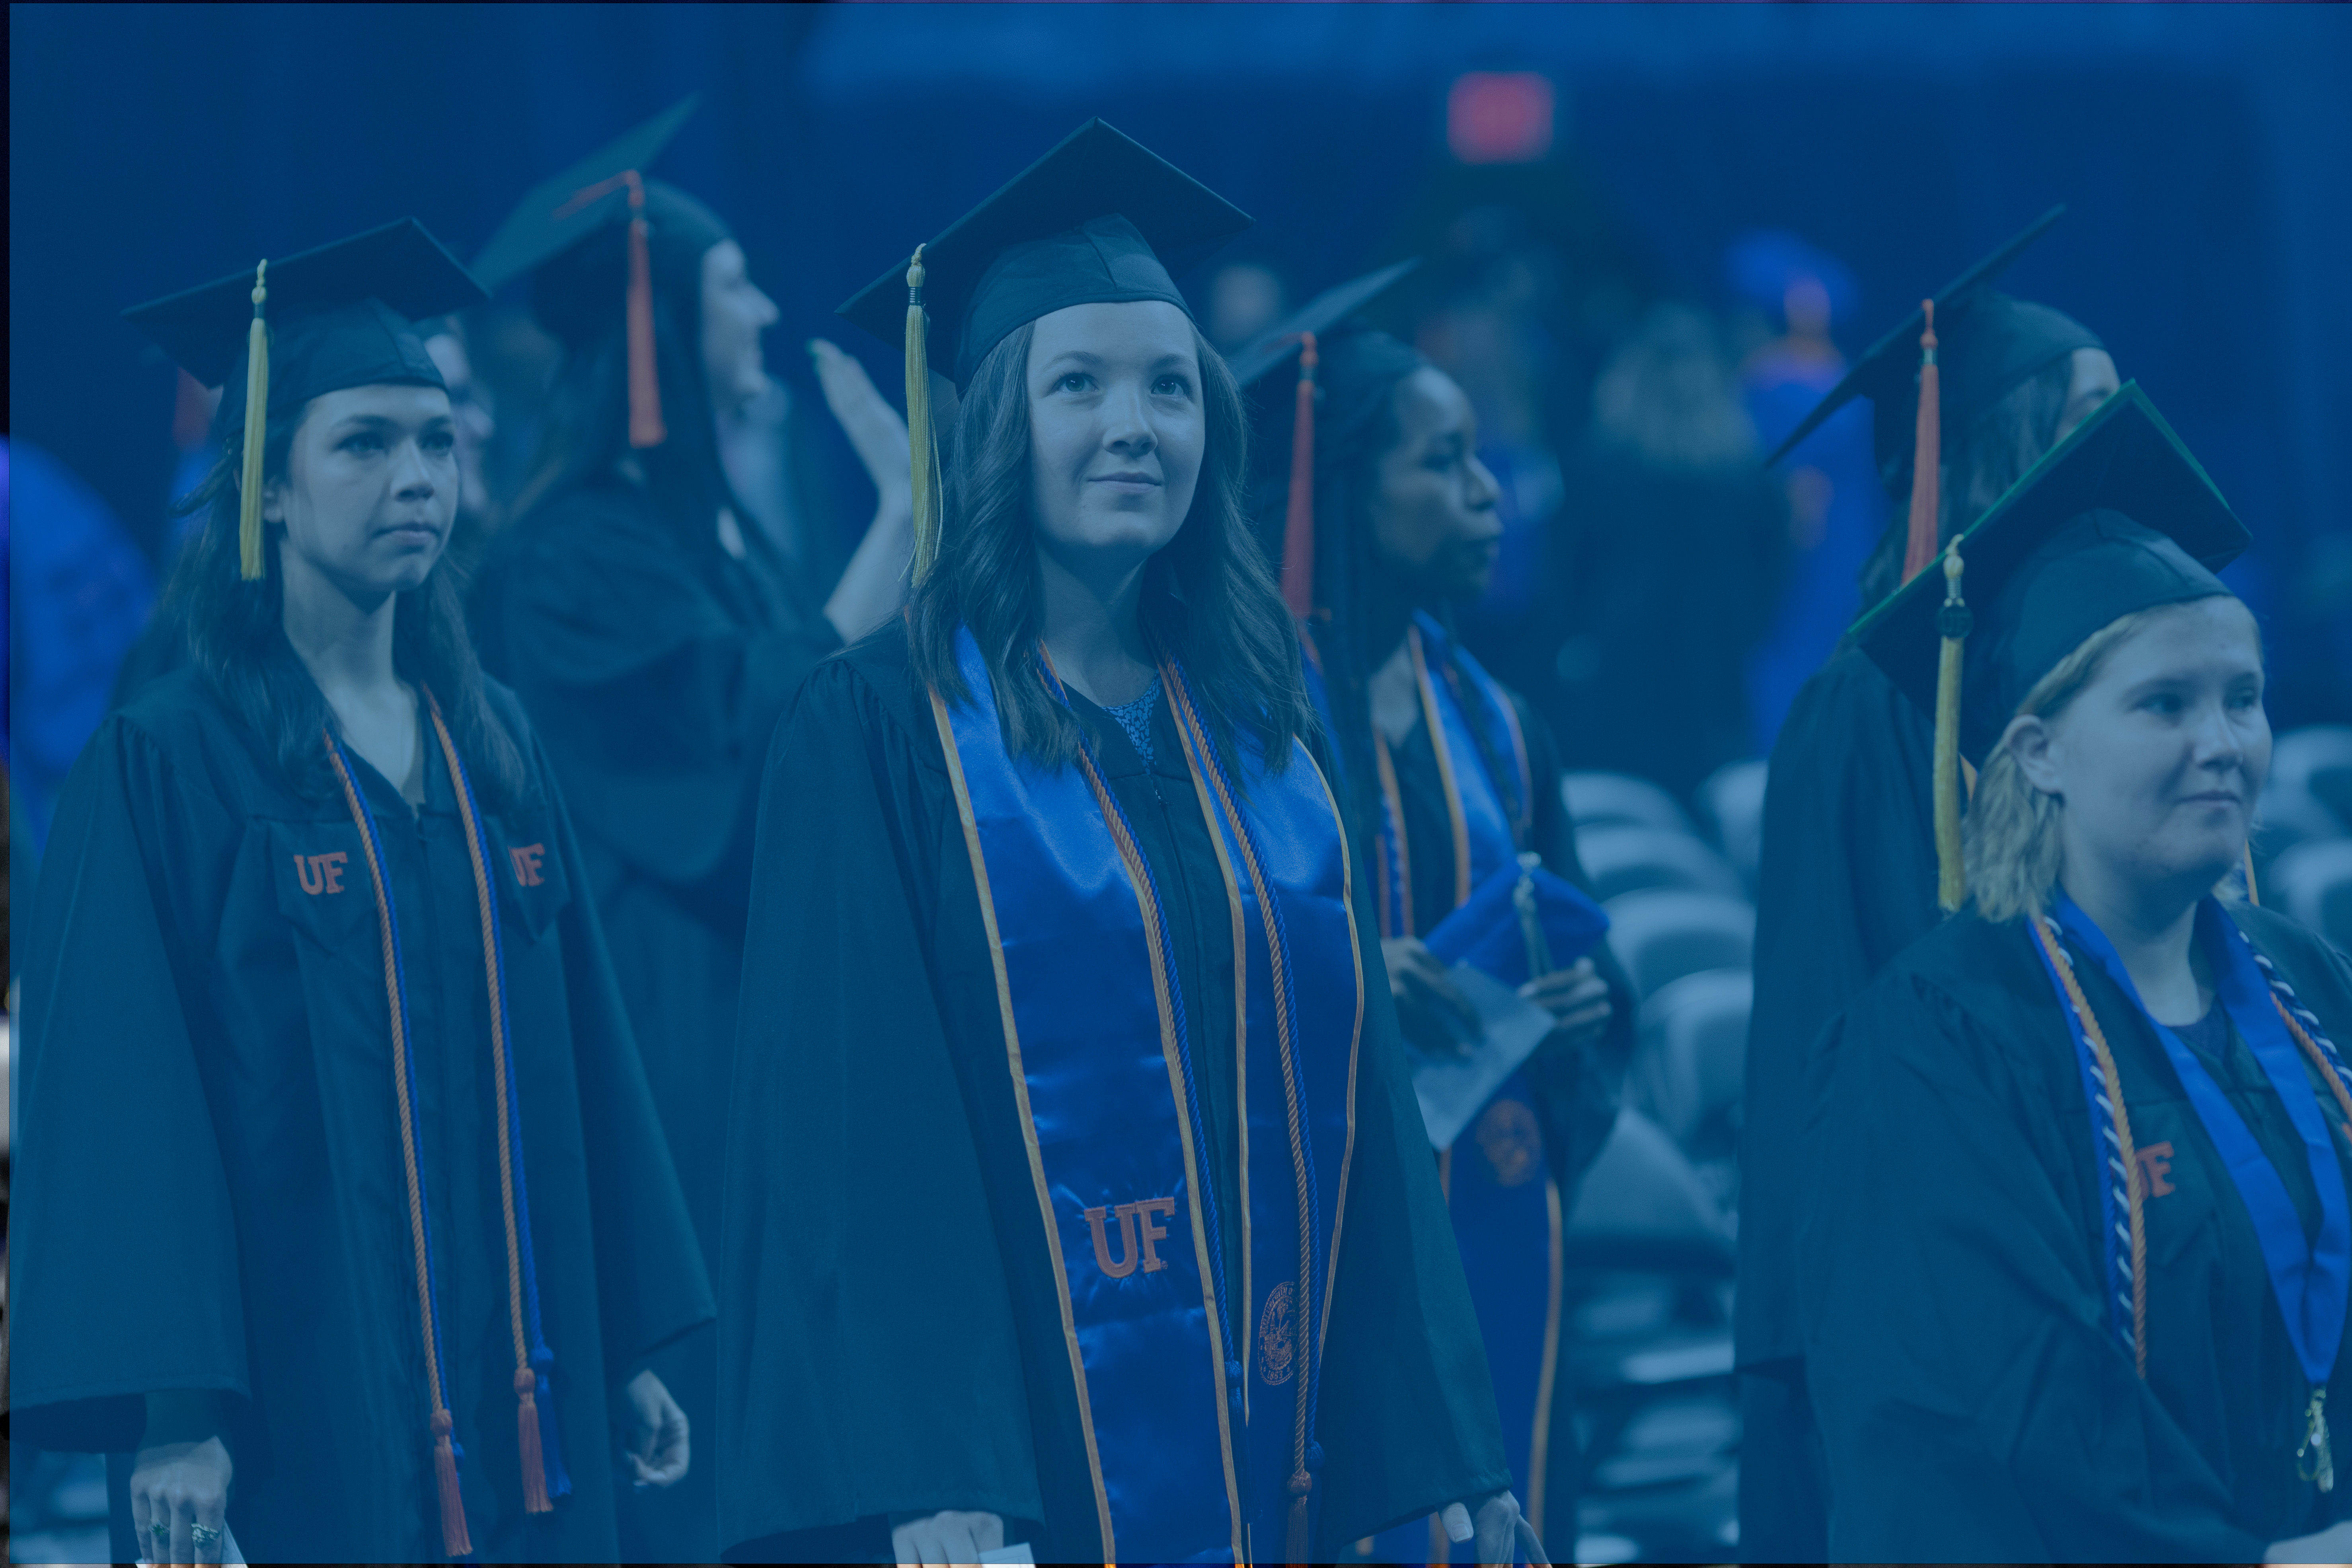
1848	872
655	632
341	1206
1076	1194
1447	776
2076	1243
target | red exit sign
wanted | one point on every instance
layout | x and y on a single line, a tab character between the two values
1500	117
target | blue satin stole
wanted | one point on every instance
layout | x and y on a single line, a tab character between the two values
1194	1389
1499	1189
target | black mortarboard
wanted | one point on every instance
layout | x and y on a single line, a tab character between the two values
336	317
1294	340
1280	344
339	316
2115	519
598	239
1987	343
1099	219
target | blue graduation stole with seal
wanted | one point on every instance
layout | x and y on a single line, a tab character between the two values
1505	1205
2310	1278
1195	1389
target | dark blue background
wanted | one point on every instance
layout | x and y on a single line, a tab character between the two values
2206	153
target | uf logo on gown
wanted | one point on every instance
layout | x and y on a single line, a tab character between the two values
526	860
1129	1215
320	873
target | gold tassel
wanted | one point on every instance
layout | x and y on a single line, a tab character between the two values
256	431
923	451
1953	620
1927	457
2253	893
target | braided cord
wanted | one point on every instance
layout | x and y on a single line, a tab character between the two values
1278	960
2122	1162
454	1537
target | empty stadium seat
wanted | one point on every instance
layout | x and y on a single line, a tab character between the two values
2313	883
1733	800
1623	858
1595	798
1640	1186
1688	1072
2316	761
1662	934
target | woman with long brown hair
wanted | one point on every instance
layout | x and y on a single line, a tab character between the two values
341	1203
1076	1194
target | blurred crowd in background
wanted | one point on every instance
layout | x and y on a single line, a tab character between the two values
1650	240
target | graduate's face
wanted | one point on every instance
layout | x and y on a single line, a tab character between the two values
2160	756
1433	507
370	488
734	313
1117	430
2091	382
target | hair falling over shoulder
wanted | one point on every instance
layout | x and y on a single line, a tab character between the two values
237	639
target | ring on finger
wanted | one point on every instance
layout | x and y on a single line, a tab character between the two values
206	1536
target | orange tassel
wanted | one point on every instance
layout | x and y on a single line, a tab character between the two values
645	427
534	1468
1298	529
1294	1543
454	1539
1928	456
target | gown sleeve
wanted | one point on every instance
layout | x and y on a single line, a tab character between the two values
652	1281
1577	1092
655	701
1971	1401
1848	880
1407	1417
868	1358
124	1283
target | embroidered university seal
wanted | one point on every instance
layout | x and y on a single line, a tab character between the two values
1508	1136
1277	1341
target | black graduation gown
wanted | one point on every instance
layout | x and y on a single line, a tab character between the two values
891	1342
1848	880
210	1191
656	671
1974	1403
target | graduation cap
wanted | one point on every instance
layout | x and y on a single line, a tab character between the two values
2117	518
1099	219
1989	343
336	317
1296	337
599	235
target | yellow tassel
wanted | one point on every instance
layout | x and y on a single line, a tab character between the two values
1952	871
922	449
2253	893
257	427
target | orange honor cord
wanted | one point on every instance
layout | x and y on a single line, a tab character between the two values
526	1381
2126	1151
1302	1477
1298	527
1927	459
453	1537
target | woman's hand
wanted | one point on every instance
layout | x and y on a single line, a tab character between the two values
873	584
1426	997
658	1440
948	1536
179	1491
1503	1536
1577	998
2333	1545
